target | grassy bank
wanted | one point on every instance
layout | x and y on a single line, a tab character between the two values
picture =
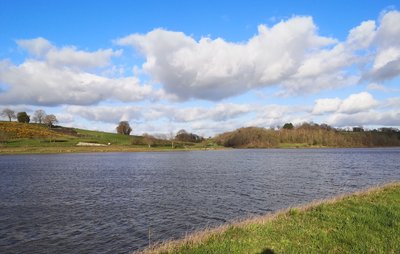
364	222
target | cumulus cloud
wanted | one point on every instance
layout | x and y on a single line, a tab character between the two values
386	64
37	47
290	54
357	110
55	76
214	68
355	103
362	36
40	83
323	106
68	56
388	118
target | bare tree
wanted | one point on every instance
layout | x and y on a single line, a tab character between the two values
124	128
39	116
150	140
172	138
8	113
50	120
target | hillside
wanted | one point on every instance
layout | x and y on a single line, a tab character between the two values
307	135
37	138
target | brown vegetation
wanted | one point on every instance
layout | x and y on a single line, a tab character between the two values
15	130
309	135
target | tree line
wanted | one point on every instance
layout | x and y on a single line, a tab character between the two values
125	129
305	134
309	134
39	116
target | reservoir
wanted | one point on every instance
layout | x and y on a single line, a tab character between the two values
119	202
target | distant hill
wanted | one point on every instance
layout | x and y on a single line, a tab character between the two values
27	138
308	135
24	135
20	133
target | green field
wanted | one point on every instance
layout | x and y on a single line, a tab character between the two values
36	138
365	222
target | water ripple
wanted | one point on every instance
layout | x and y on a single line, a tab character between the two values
108	203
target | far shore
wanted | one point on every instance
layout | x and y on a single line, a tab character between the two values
95	149
127	149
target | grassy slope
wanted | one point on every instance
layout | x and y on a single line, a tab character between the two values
34	138
17	135
367	222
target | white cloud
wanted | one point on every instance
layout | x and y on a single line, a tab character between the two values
220	112
39	83
388	118
362	35
355	103
387	59
290	54
68	56
390	103
106	114
37	47
376	87
359	109
214	68
323	106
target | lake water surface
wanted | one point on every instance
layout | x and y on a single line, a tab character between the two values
108	202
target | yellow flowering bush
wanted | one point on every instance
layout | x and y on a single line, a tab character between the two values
16	130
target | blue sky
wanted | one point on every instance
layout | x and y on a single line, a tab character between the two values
205	66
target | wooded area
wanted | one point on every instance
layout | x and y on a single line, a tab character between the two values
309	134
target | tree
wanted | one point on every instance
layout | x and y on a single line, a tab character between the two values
23	117
172	138
358	129
50	120
124	128
8	113
150	140
185	136
288	126
39	116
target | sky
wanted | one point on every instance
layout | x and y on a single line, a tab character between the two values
203	66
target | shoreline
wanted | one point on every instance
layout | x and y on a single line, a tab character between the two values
203	236
100	149
125	149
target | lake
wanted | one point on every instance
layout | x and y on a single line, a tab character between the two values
109	202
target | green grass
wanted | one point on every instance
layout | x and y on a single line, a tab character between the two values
17	138
105	137
367	222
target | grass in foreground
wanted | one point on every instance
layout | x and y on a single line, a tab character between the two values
365	222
